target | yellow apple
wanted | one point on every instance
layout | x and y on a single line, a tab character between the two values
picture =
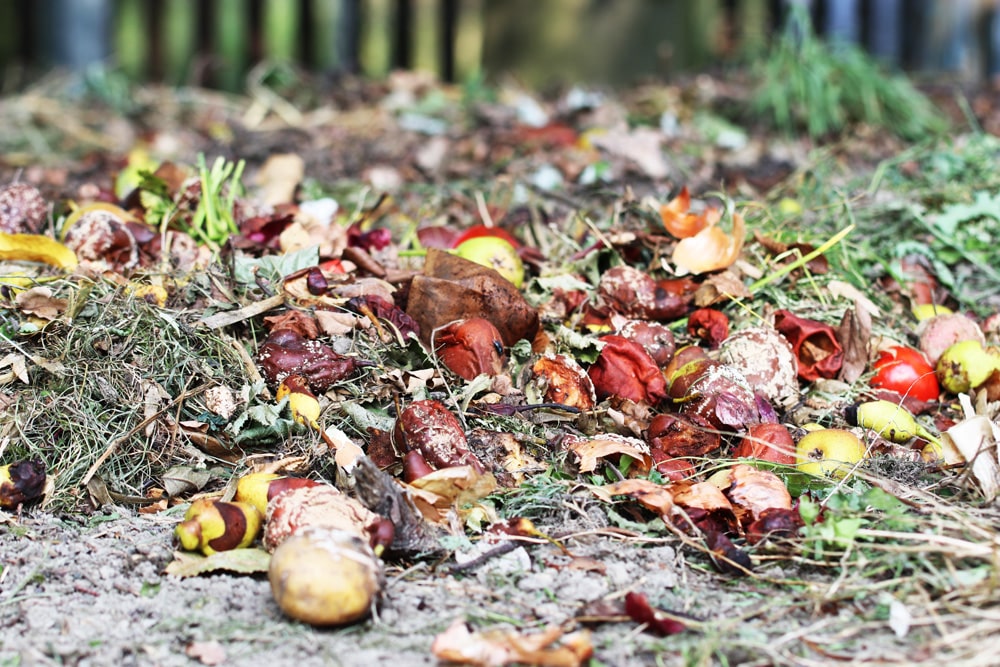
830	451
495	253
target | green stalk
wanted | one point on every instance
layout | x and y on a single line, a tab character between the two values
281	19
180	29
805	259
231	32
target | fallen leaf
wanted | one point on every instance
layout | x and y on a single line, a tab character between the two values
977	440
459	644
650	495
18	367
39	301
639	610
241	561
279	177
207	653
754	490
591	451
855	334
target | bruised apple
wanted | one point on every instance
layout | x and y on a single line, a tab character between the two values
829	452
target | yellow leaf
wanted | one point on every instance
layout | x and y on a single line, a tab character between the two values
36	248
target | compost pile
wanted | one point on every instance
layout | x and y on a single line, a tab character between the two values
626	377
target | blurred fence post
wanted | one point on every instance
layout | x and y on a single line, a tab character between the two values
75	33
885	38
842	23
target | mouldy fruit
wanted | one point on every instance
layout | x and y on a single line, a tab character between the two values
560	379
905	371
655	337
965	366
767	361
22	209
428	426
635	294
829	451
470	348
103	242
321	507
325	577
21	483
681	435
495	253
212	525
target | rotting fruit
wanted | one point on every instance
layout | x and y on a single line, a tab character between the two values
211	525
964	366
495	253
829	452
325	577
907	372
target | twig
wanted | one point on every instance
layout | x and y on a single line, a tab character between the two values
229	317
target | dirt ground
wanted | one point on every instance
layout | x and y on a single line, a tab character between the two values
92	591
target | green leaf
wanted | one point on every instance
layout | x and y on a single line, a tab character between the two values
241	561
984	206
273	267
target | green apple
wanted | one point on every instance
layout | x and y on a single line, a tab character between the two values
964	366
495	253
829	451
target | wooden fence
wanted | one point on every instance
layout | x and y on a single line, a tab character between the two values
215	42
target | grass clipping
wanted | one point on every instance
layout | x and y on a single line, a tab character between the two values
111	411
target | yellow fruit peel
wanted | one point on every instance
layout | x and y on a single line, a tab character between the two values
36	248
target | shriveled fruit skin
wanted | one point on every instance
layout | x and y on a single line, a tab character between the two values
325	577
316	507
429	427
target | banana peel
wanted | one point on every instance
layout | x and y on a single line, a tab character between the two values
37	248
211	526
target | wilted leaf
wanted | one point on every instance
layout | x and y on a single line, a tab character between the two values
815	344
459	644
278	178
591	451
242	561
40	302
976	438
700	495
182	479
651	496
754	490
18	367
